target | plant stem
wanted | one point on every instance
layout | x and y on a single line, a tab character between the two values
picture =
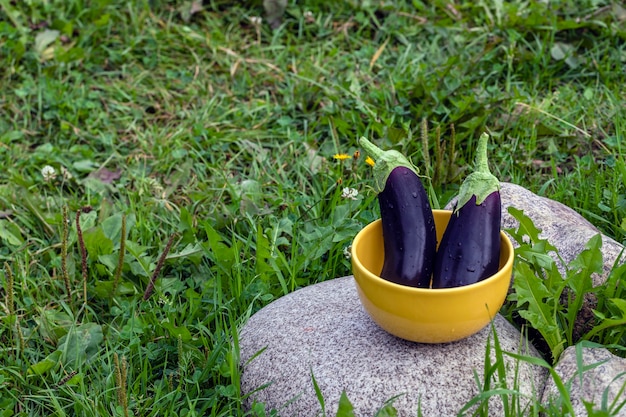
386	161
425	150
120	382
481	182
11	306
120	261
83	250
66	276
157	270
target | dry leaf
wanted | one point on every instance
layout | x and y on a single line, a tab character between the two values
189	8
274	10
43	42
106	176
378	53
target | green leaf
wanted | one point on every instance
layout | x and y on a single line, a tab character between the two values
143	263
53	324
110	261
590	260
223	255
112	226
318	394
579	272
10	136
193	252
81	344
97	243
536	255
104	289
85	165
102	20
540	306
620	304
608	323
526	226
45	364
317	240
346	409
388	410
176	332
10	234
560	50
263	252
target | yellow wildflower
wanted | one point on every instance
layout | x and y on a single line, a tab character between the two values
341	156
369	161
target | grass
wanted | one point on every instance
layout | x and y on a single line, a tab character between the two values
209	130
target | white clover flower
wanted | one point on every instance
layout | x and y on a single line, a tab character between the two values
256	20
349	193
347	252
48	173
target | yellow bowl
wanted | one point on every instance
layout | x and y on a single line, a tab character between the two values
422	314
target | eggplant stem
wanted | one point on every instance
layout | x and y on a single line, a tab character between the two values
480	160
481	182
386	161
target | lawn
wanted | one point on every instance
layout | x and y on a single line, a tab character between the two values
170	167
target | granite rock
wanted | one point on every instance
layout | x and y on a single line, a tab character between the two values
606	375
562	226
322	330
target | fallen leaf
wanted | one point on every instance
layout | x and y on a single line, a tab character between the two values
188	9
196	6
274	10
106	176
620	12
43	40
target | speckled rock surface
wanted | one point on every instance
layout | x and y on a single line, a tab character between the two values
323	329
563	227
608	376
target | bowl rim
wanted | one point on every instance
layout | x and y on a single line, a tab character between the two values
430	291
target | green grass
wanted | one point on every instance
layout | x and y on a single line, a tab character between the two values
220	134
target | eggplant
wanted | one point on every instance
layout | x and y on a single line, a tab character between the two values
409	236
470	246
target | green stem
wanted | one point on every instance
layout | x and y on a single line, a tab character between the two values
481	182
481	163
386	161
372	150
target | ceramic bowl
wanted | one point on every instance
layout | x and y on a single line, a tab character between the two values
422	314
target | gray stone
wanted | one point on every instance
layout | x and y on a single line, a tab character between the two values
563	227
323	330
606	376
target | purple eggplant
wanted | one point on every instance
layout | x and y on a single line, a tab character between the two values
470	246
409	237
